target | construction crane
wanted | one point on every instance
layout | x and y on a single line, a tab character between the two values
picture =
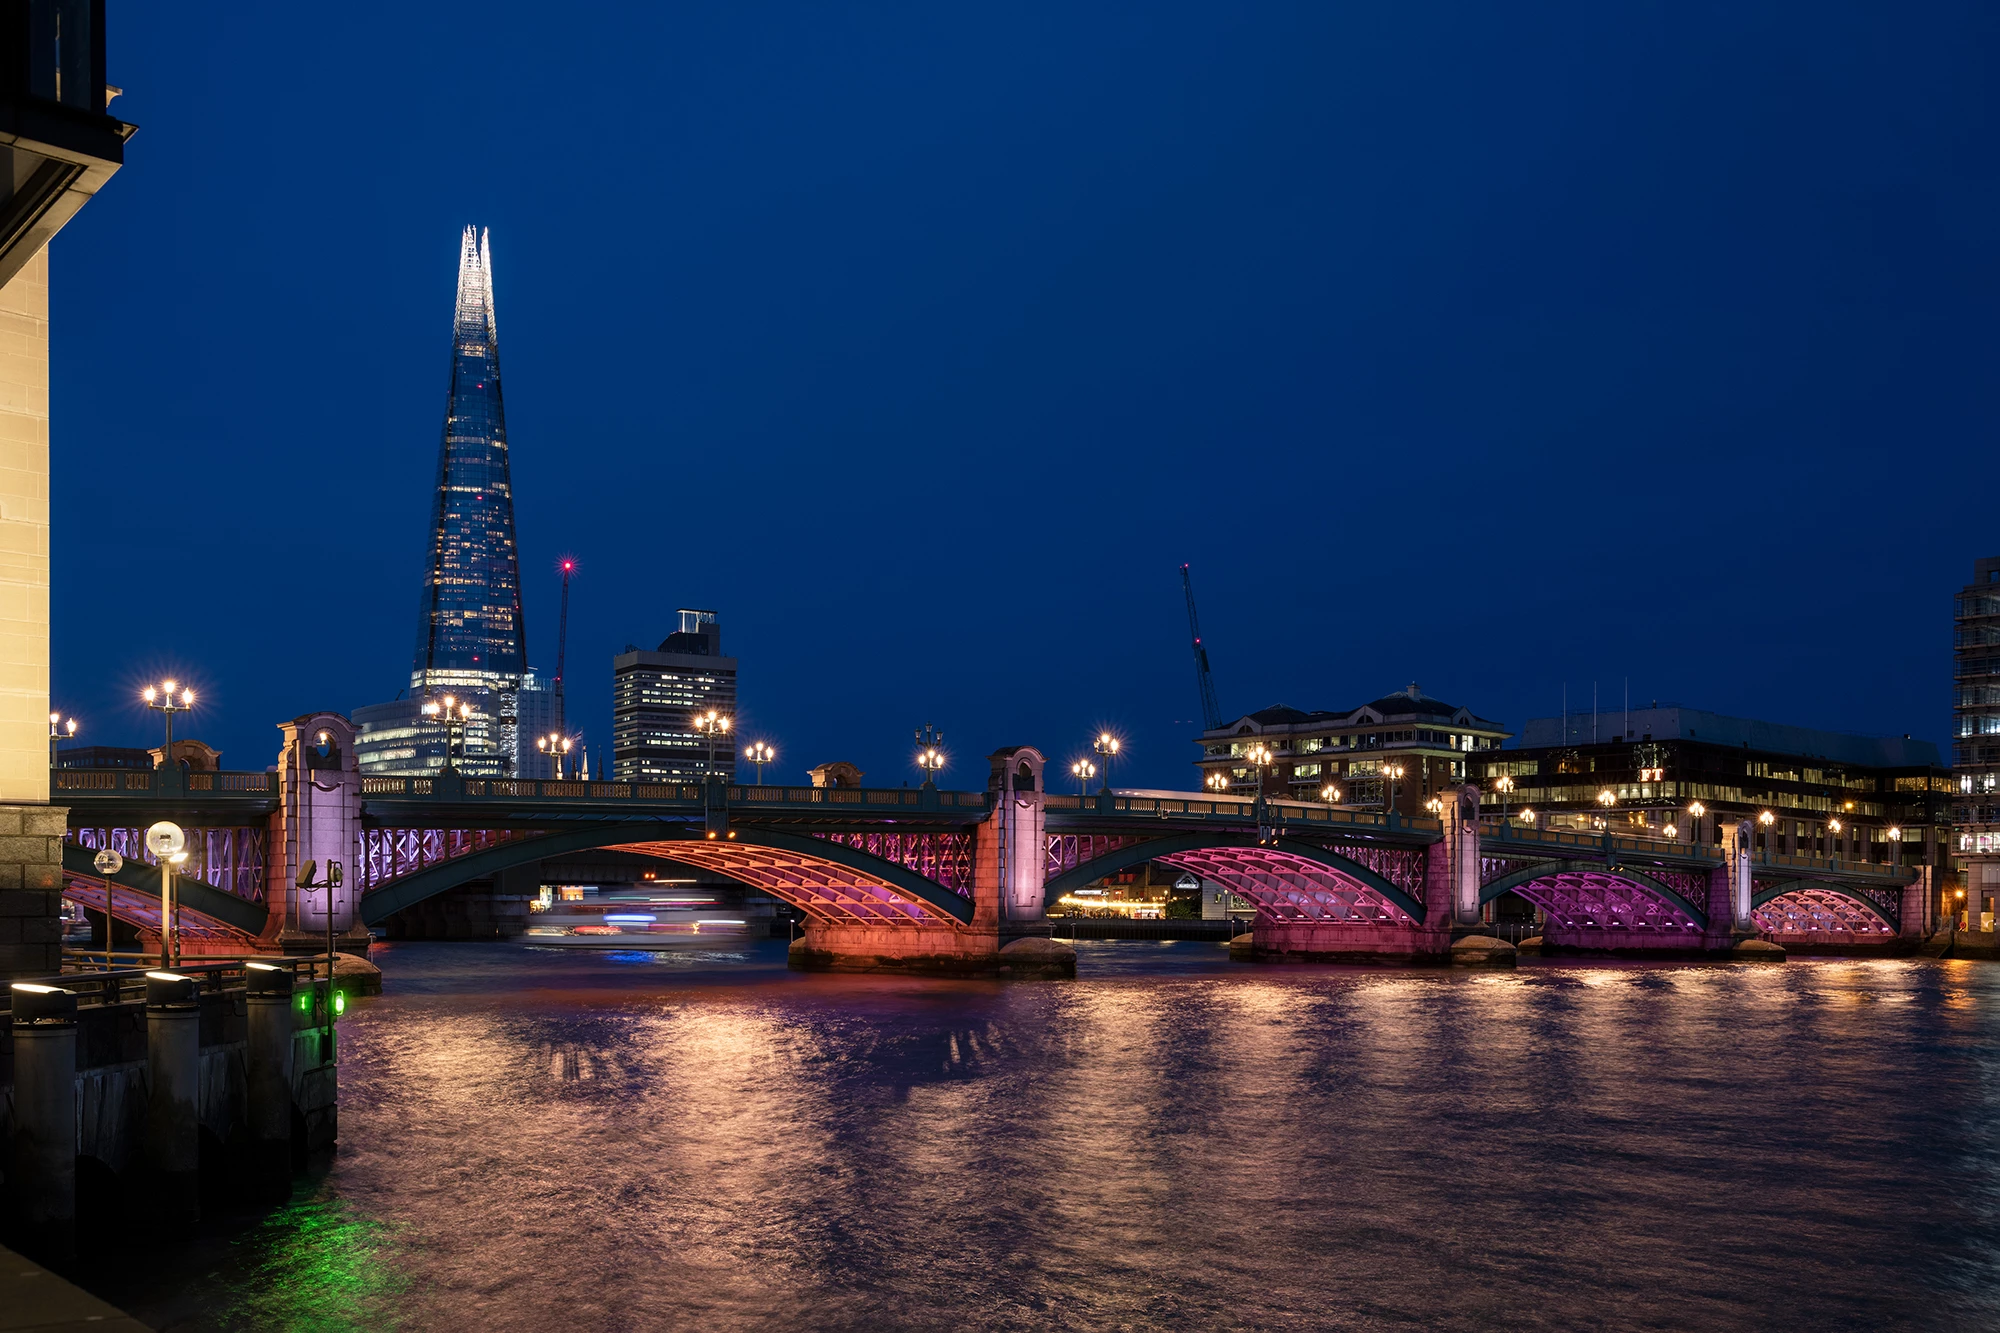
562	642
1211	715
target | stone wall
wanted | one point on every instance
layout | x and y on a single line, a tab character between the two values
24	534
31	843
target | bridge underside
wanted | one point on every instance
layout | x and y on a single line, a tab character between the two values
1817	918
201	935
824	890
1291	889
1602	911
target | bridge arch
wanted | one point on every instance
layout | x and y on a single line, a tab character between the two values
1573	890
133	896
824	879
1286	879
1802	906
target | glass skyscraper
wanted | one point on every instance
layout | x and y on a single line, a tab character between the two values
471	640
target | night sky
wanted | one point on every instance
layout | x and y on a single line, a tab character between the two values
1489	347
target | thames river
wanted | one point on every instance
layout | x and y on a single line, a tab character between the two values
559	1141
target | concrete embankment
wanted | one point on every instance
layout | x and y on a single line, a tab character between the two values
33	1298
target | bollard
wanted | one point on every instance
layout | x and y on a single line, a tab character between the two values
269	1056
173	1100
42	1173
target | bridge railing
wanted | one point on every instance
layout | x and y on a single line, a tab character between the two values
1243	812
153	782
688	793
1498	831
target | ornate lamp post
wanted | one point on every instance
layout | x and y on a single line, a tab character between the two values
1896	851
1768	820
1106	746
58	730
711	724
1391	775
1216	781
760	754
1083	771
168	698
556	746
453	711
1505	786
1330	794
930	752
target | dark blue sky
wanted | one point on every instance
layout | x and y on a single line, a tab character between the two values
1485	346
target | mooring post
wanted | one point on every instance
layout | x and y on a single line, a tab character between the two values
42	1173
173	1097
268	1055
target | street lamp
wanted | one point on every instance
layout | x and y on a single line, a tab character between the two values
930	751
1330	794
1896	852
1083	771
1216	781
58	729
454	712
1107	747
711	724
1391	775
1527	816
760	754
169	698
1505	786
1769	821
1607	798
1436	806
556	746
1261	758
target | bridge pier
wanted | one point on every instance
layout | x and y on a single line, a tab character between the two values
318	820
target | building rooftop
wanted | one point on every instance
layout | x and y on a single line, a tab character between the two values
1665	722
1407	703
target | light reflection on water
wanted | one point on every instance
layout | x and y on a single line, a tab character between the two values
542	1138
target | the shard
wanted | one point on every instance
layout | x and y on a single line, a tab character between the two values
471	642
469	627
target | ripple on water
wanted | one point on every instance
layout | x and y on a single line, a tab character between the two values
541	1138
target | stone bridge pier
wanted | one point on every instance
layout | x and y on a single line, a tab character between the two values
318	820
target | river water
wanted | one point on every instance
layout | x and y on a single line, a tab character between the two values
559	1141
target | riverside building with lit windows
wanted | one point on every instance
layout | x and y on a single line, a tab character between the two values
656	697
1975	757
1668	771
1418	745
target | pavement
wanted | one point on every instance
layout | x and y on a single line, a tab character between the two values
34	1300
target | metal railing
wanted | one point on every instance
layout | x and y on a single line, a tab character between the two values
160	783
103	979
1494	831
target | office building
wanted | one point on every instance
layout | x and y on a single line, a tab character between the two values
1665	767
471	638
1975	757
1355	752
656	697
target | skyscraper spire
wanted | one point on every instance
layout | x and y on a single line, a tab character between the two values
469	626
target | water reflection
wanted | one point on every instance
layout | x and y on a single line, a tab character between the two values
537	1138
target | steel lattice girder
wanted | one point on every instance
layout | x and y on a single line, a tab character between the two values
1604	900
826	889
1818	911
1291	888
143	910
